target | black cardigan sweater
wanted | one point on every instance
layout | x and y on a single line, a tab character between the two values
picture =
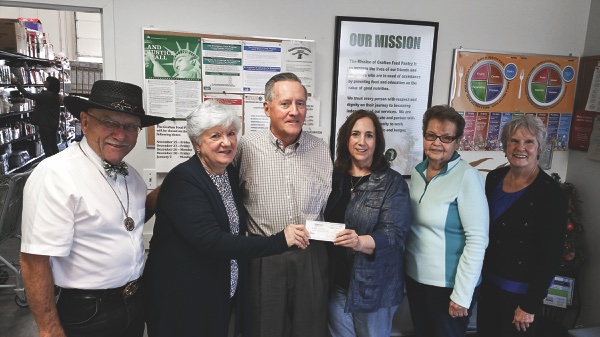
187	275
527	240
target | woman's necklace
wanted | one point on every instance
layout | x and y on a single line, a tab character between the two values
128	222
512	184
365	172
357	182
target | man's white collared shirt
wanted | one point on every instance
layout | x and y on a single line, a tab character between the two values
71	213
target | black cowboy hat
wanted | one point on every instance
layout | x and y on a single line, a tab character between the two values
114	96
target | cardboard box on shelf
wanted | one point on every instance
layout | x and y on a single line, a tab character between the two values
13	37
32	23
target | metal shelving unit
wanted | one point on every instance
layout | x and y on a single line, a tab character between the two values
31	65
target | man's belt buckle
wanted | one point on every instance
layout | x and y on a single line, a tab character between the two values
130	289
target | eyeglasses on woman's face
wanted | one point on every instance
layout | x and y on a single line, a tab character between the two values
430	136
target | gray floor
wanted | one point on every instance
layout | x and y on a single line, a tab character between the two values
15	321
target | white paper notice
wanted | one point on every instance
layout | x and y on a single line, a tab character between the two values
233	101
172	98
318	131
299	58
222	65
254	114
593	103
313	112
261	61
172	145
323	231
594	148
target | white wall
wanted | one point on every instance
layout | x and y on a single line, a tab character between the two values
555	27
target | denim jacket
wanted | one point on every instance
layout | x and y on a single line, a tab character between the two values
380	207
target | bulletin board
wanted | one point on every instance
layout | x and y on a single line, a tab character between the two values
183	69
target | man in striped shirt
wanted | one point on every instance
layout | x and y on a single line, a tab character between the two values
285	178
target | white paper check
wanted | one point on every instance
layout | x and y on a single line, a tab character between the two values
323	231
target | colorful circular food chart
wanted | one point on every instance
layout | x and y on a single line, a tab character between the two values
486	82
545	85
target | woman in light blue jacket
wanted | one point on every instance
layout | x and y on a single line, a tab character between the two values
447	241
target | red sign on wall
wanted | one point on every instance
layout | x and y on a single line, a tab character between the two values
583	122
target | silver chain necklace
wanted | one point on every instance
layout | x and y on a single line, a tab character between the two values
355	184
128	222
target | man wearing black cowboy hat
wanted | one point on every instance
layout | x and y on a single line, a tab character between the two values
83	211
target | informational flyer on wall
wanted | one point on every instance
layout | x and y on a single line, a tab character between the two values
594	148
222	65
313	116
262	60
172	74
386	66
172	145
233	101
299	58
492	82
254	114
313	112
593	102
581	131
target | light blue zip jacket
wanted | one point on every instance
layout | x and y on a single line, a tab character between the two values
447	241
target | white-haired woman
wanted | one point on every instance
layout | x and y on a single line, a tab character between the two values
197	261
528	221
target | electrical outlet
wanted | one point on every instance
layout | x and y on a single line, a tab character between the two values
150	178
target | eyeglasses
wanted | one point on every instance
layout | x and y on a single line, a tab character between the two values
430	136
114	126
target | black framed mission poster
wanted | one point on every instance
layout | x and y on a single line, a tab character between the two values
386	66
